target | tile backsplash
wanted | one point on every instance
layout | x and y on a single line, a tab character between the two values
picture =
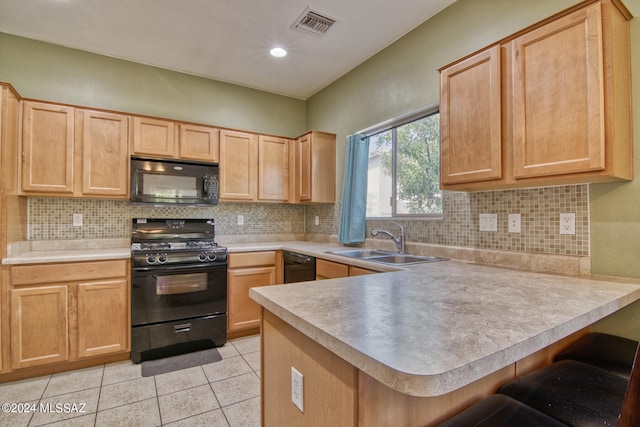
52	218
540	208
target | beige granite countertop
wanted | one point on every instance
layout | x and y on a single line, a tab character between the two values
436	327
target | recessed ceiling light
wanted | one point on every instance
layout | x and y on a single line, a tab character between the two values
278	52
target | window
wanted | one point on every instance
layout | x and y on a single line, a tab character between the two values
404	169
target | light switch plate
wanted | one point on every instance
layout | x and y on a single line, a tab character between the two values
488	222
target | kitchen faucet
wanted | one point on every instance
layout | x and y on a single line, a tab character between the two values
399	241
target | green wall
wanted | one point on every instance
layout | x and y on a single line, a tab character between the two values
55	73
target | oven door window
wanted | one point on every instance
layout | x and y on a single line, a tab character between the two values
181	283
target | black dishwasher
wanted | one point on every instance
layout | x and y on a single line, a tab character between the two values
298	267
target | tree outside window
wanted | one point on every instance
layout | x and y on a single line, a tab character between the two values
404	170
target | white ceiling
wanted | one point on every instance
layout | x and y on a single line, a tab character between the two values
227	40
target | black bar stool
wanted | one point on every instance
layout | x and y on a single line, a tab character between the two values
499	410
609	352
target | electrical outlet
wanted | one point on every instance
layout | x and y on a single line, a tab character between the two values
317	220
240	219
567	223
297	389
77	220
488	222
515	225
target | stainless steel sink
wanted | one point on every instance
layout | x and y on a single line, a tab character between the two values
361	253
384	257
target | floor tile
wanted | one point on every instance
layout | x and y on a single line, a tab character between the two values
66	406
253	359
121	371
24	391
140	414
247	345
126	392
180	380
228	350
68	382
226	368
213	418
186	403
244	414
117	395
82	421
236	389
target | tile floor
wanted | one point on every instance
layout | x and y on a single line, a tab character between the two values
224	393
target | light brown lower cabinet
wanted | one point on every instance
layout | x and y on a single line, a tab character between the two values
247	270
332	270
69	311
39	326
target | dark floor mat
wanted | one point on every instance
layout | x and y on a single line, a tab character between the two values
182	361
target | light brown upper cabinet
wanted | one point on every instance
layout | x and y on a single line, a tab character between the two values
253	167
470	119
199	143
315	168
74	152
238	165
169	139
565	106
153	137
273	168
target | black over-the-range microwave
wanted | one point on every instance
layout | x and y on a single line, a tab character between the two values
165	182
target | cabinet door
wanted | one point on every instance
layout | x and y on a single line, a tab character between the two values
330	270
303	168
199	143
153	137
48	145
558	97
39	326
470	119
105	154
273	168
238	165
243	312
103	317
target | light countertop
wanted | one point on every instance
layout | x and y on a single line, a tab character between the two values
436	327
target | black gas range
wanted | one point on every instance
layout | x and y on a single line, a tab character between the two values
179	287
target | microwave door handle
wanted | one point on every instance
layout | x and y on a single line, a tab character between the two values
205	186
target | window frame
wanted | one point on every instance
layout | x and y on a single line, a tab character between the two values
392	125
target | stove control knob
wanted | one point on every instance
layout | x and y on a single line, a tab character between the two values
162	258
151	259
211	256
202	257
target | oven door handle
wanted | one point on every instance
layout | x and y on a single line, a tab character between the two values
171	268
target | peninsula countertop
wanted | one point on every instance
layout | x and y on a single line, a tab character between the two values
436	327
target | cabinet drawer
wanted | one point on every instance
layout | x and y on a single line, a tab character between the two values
67	272
330	270
252	259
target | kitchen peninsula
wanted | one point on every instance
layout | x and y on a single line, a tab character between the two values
412	347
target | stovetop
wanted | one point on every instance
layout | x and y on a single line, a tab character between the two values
157	242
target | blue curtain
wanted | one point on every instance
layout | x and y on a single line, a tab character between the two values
354	191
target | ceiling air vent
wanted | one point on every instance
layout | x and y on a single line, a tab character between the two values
312	22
